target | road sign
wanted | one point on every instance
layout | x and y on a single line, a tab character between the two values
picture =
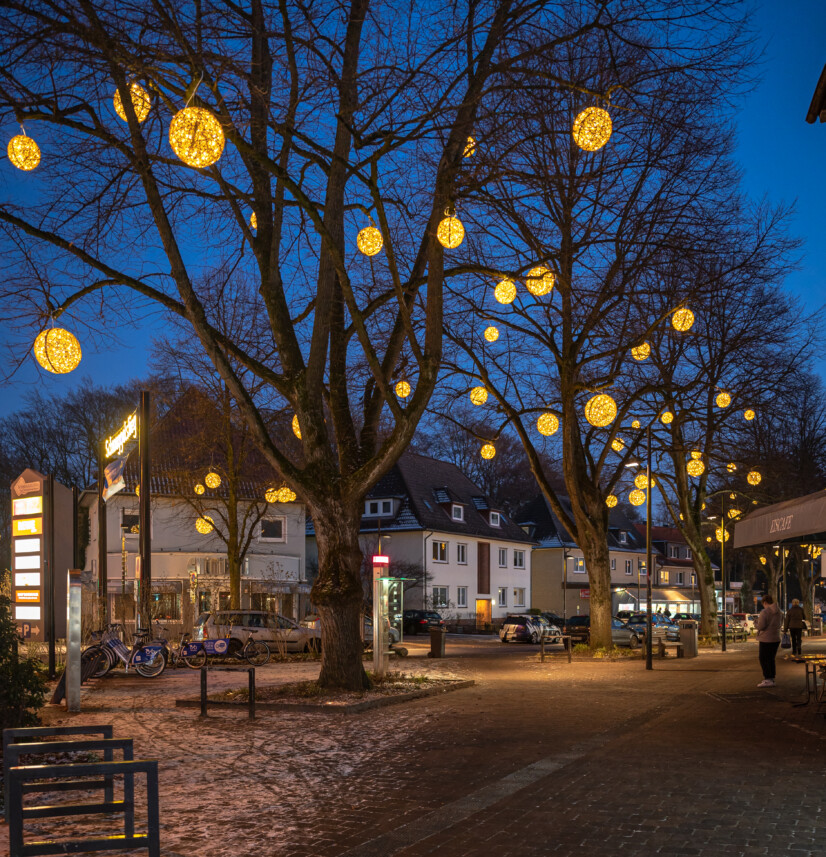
584	593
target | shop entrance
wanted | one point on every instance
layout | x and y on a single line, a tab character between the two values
484	613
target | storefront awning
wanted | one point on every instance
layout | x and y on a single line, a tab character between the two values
674	596
800	520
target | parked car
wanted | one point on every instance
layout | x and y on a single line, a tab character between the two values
747	620
638	624
624	615
549	630
678	616
735	630
578	629
393	633
521	629
274	630
554	619
419	621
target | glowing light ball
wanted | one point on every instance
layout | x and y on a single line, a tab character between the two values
641	351
57	350
23	152
212	479
723	399
749	414
734	513
636	497
696	454
695	468
470	148
731	467
141	102
450	233
611	501
592	129
753	478
618	444
667	418
253	221
540	281
640	481
635	424
488	451
199	489
762	560
402	389
682	319
271	495
370	241
196	137
478	396
547	424
296	427
505	291
491	333
204	525
600	410
719	534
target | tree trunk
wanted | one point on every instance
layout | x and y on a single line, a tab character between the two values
708	598
234	568
593	542
338	595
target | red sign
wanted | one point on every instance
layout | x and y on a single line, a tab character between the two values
381	560
584	593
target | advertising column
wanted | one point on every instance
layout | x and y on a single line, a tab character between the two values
28	554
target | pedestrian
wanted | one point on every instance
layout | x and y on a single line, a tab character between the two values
768	639
794	624
667	613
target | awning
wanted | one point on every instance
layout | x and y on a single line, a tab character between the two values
675	596
801	519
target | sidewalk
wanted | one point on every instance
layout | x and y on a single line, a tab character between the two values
590	758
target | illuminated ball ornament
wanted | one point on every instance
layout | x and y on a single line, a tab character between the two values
470	148
682	319
478	396
611	500
271	495
753	478
505	291
23	152
402	389
762	560
540	281
636	497
749	415
635	424
723	399
491	333
695	468
733	513
547	424
253	221
141	102
450	232
641	351
731	467
488	451
286	495
640	481
708	539
667	418
296	427
199	489
369	241
196	137
592	129
212	479
600	410
137	490
57	350
618	444
204	525
696	454
720	533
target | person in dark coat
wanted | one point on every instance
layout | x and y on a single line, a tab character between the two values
769	621
794	624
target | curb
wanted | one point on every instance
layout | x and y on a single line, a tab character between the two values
334	708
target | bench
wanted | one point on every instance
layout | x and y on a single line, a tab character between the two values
663	644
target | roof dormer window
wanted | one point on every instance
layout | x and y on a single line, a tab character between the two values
495	519
623	537
378	508
457	512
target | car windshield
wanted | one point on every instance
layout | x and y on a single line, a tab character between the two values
201	619
578	620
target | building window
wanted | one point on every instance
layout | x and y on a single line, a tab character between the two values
272	530
495	519
688	553
613	565
378	508
623	537
130	521
166	605
457	512
440	596
439	551
663	576
674	552
679	577
579	565
693	579
503	557
628	566
461	553
519	597
503	596
461	596
519	559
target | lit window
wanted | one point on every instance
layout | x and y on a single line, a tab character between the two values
519	559
439	551
519	597
503	596
461	596
440	596
663	576
461	554
579	565
130	521
628	566
503	557
272	530
693	579
495	519
457	512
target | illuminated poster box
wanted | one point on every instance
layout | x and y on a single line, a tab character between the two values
27	578
27	506
26	613
21	562
27	596
27	545
27	527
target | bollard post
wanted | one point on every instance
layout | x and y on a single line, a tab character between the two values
252	693
72	668
203	691
542	649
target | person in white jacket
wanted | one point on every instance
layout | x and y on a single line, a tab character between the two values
768	639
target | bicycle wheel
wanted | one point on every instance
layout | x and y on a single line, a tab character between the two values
257	653
153	668
105	662
196	661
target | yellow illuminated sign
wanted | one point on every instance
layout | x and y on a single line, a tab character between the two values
27	596
114	445
27	506
27	527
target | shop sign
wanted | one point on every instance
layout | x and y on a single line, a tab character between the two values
115	444
27	527
584	593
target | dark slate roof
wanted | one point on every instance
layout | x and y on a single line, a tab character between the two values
427	488
817	107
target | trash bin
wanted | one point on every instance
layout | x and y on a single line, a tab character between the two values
437	642
688	637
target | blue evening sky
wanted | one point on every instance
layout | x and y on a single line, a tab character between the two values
782	158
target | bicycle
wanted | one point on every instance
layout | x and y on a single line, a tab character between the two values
187	653
147	659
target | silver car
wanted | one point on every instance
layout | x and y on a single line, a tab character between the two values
278	632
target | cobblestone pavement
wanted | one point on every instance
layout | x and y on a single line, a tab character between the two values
589	758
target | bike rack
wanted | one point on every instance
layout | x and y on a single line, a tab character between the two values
251	693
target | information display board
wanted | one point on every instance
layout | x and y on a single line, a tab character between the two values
28	492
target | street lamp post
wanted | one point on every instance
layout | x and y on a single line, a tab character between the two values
564	588
649	663
723	564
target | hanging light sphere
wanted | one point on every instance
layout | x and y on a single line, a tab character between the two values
505	291
703	507
611	501
708	538
762	560
732	496
695	468
137	490
641	351
57	350
640	481
271	495
731	467
196	137
199	489
682	319
212	479
488	451
286	495
369	241
592	129
723	399
478	395
719	534
296	427
753	477
253	221
450	232
491	333
402	389
734	513
696	454
635	424
681	516
23	152
470	148
618	444
636	497
667	418
141	102
540	281
600	410
547	424
749	415
204	525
